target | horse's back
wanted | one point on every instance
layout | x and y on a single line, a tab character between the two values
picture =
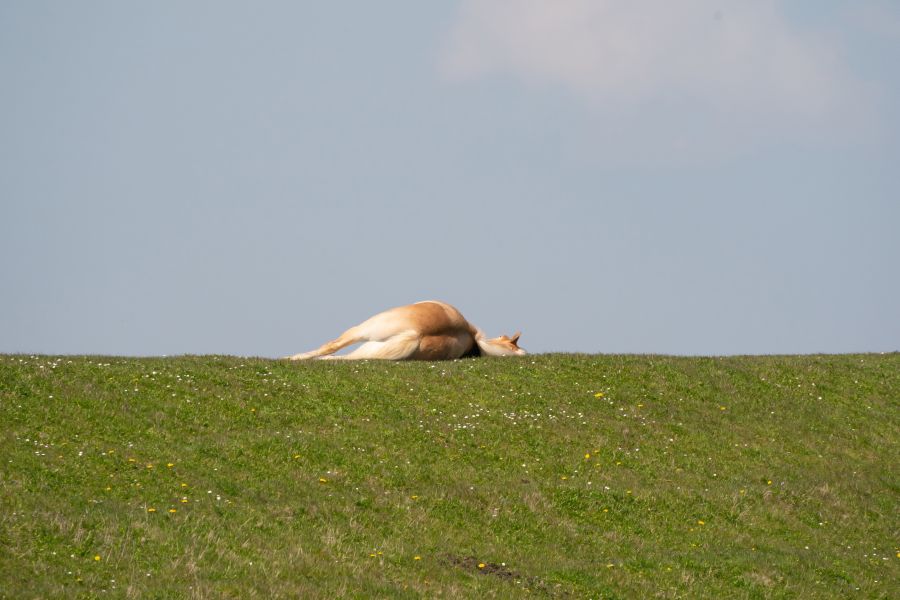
433	318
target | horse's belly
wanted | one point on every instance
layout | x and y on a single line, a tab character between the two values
443	347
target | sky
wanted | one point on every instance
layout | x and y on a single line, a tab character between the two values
702	177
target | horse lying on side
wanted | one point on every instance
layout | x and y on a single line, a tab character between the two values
427	330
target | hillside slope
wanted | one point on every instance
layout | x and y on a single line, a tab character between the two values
551	476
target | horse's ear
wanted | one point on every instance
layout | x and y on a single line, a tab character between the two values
515	338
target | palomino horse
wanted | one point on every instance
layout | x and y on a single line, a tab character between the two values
428	330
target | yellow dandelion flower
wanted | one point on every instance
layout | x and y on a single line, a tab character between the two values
701	522
132	460
170	465
173	510
587	456
184	485
151	509
322	480
417	558
296	456
563	477
372	555
480	565
599	395
414	497
149	466
97	557
184	500
769	482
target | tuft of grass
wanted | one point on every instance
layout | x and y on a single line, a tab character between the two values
549	475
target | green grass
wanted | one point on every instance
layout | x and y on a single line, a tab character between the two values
546	476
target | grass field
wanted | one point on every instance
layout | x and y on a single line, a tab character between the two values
568	476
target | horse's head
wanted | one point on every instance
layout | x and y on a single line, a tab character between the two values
502	346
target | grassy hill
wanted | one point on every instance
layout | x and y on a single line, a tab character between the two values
547	476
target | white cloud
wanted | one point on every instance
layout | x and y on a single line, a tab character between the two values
730	61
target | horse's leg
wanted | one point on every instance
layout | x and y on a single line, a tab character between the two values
349	337
381	328
397	347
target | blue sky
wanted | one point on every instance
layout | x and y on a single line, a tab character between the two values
700	177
